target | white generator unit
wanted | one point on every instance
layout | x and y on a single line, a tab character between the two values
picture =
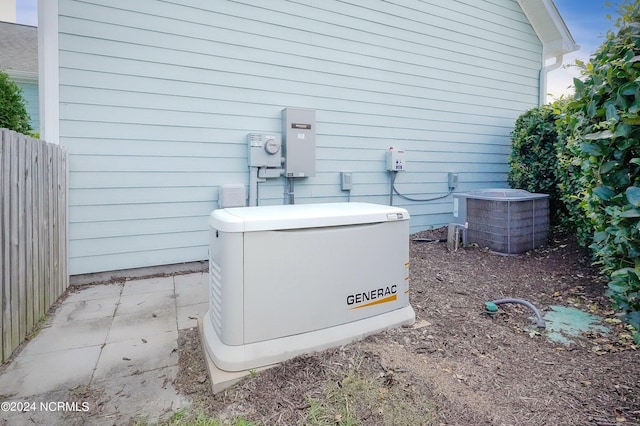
293	279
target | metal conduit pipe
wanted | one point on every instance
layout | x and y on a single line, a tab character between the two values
539	323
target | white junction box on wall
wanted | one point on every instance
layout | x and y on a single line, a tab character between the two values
396	160
293	279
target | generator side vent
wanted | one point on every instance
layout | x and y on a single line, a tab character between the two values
215	295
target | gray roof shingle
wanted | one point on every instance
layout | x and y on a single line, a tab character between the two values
18	47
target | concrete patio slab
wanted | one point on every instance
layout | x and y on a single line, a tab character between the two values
39	415
188	315
82	310
113	346
200	279
191	295
69	335
95	292
138	354
146	302
143	397
144	324
149	285
31	375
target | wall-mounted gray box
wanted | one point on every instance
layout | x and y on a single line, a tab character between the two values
264	150
299	132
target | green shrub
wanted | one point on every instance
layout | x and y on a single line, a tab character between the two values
589	162
13	111
572	186
603	137
533	157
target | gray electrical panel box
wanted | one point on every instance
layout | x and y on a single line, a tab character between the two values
264	150
299	130
346	181
452	179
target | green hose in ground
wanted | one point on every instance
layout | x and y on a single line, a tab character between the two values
492	307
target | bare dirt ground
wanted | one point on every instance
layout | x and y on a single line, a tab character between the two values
457	365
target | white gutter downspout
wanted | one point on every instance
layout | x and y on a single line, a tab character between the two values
48	54
542	80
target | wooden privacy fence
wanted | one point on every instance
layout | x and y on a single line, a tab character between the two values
33	232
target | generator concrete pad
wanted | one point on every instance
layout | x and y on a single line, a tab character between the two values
220	379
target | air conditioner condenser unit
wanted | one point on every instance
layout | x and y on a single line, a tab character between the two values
293	279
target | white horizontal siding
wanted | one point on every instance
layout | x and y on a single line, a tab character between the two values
95	214
149	255
157	97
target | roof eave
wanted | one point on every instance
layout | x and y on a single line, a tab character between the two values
549	27
22	76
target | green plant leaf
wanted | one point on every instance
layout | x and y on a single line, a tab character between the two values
621	273
630	213
633	195
633	318
623	130
600	236
618	287
628	89
611	113
579	84
604	134
591	148
604	193
618	179
608	166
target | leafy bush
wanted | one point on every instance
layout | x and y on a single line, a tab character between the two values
533	157
590	160
13	111
572	186
603	129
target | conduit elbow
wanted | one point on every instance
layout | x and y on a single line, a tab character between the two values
492	307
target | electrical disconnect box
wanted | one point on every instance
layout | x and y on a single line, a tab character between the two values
453	180
395	160
298	128
264	150
346	181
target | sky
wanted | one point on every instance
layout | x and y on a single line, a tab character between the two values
27	12
586	19
588	23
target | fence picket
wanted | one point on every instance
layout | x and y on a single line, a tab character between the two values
13	238
33	227
28	234
5	307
